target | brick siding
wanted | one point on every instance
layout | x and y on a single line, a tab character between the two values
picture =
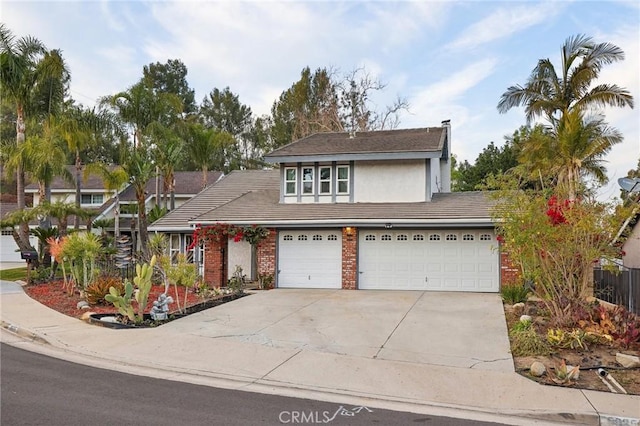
266	254
350	258
215	265
509	273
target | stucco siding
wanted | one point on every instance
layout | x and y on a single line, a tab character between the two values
631	247
239	253
389	181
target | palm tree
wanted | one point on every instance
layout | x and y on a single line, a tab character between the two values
547	94
114	179
20	74
80	129
574	146
201	148
140	171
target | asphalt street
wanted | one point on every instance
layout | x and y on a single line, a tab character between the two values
39	390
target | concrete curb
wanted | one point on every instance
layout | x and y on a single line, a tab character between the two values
24	333
274	387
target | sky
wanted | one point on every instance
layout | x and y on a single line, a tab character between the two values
451	60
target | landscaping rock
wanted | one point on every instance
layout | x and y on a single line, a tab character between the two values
573	376
82	305
86	315
628	361
537	369
518	306
525	318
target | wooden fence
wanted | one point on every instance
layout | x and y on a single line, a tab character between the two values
621	288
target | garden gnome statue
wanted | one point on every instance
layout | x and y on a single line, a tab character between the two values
161	307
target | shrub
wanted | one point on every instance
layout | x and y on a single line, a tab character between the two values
527	342
97	290
512	294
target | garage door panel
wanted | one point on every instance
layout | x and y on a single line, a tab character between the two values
447	260
310	259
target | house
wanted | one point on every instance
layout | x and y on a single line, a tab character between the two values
187	185
631	246
95	197
372	210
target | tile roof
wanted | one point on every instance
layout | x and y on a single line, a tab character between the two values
264	207
187	183
429	139
93	181
230	187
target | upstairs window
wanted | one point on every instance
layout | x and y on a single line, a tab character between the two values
307	180
342	179
325	180
290	180
92	199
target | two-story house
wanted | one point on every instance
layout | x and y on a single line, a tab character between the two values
372	210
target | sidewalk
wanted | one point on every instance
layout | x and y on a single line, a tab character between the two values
175	352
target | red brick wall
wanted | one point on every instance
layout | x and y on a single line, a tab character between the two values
266	254
215	265
350	258
509	273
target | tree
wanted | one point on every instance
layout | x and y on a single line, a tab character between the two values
357	112
309	106
555	241
223	111
140	170
201	148
22	69
491	161
171	78
568	102
114	178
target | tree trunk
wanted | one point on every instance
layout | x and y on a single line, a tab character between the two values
116	215
76	218
23	228
142	224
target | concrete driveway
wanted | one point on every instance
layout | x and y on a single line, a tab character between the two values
465	330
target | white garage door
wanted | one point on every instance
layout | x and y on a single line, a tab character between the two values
310	259
448	260
8	248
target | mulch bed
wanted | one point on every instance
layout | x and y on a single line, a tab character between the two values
53	295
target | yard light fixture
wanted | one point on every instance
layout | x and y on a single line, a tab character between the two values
388	226
349	230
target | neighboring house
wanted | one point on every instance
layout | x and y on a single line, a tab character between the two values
187	185
631	246
367	211
94	196
8	247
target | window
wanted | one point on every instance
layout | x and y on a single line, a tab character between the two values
418	237
485	237
386	237
5	232
467	237
307	180
290	180
288	238
174	248
434	237
188	240
343	179
302	238
370	237
91	199
451	237
401	237
332	237
325	180
317	238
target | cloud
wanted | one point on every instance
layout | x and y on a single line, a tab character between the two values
504	22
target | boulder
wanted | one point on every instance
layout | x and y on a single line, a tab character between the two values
85	316
537	369
525	318
628	361
82	305
518	306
